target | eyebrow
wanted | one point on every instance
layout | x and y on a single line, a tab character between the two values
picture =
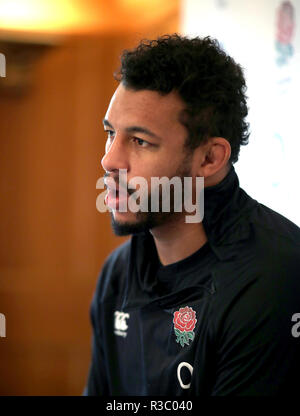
134	129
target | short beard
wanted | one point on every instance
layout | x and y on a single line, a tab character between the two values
145	221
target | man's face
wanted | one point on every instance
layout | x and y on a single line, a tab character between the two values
145	138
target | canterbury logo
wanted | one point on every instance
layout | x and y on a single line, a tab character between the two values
120	323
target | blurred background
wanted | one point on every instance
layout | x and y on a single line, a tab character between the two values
57	58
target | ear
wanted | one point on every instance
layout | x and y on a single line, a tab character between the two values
212	158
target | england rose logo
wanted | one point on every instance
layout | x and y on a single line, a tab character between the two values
184	324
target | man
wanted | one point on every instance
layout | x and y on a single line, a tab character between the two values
191	308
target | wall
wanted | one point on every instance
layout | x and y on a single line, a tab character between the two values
53	241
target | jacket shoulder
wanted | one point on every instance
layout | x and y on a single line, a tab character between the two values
275	224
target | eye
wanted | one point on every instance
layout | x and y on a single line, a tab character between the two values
140	142
110	133
109	139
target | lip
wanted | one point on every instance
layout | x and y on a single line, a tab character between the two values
114	199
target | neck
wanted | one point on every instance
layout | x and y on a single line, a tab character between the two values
177	240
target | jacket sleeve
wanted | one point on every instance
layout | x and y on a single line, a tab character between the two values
97	380
108	286
257	340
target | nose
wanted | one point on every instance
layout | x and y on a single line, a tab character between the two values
115	157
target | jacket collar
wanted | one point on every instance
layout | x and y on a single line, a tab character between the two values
226	206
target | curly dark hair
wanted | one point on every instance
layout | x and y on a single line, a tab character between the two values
208	81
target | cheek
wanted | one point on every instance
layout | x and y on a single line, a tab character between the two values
157	165
145	168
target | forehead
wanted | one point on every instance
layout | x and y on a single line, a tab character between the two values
148	107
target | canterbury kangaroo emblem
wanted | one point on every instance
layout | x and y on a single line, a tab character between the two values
121	324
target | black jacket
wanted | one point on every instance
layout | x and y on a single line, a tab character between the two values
221	322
